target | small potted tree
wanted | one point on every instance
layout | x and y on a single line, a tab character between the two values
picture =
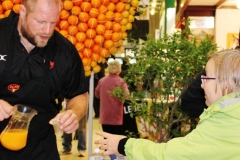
163	70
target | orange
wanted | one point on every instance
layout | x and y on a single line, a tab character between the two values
108	44
81	55
92	23
64	14
57	28
130	18
127	6
120	7
95	57
124	21
100	29
117	27
93	12
111	6
114	1
113	50
73	20
77	2
105	2
124	35
108	25
99	39
95	3
115	36
76	10
132	10
118	43
110	15
88	73
64	32
7	5
96	69
64	24
2	16
7	12
82	27
91	33
129	26
100	59
101	18
87	68
108	34
85	6
16	8
1	9
83	16
89	43
117	17
67	5
125	14
104	53
81	36
86	61
102	9
72	39
103	60
96	48
87	52
79	46
93	63
72	30
124	28
17	1
134	3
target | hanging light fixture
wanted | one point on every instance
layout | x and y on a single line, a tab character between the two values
152	11
154	3
238	4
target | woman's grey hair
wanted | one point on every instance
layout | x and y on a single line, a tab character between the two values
227	67
114	67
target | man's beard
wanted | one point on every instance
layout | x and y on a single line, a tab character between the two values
26	33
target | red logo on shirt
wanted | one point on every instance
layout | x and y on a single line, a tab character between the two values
13	87
51	64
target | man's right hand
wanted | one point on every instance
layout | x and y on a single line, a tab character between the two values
6	110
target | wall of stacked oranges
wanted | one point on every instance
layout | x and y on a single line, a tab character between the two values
96	27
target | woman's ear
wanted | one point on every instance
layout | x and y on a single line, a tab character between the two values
226	88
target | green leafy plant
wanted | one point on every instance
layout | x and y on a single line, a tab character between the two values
163	70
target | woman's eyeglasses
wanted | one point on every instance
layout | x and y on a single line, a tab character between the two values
204	78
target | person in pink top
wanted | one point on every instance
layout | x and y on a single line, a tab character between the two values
111	108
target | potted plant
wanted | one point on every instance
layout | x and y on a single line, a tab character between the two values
163	70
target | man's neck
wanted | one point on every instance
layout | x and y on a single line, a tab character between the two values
28	46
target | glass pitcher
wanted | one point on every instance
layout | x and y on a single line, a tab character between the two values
14	136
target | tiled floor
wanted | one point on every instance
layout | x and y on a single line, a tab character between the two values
74	154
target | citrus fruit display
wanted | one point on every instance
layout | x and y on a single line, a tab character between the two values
95	27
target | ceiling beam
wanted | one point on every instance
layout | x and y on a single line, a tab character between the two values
220	3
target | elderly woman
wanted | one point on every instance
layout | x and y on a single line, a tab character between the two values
217	136
111	108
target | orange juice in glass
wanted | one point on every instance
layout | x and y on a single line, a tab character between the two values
14	139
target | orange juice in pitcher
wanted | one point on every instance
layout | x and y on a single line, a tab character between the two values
14	139
14	136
